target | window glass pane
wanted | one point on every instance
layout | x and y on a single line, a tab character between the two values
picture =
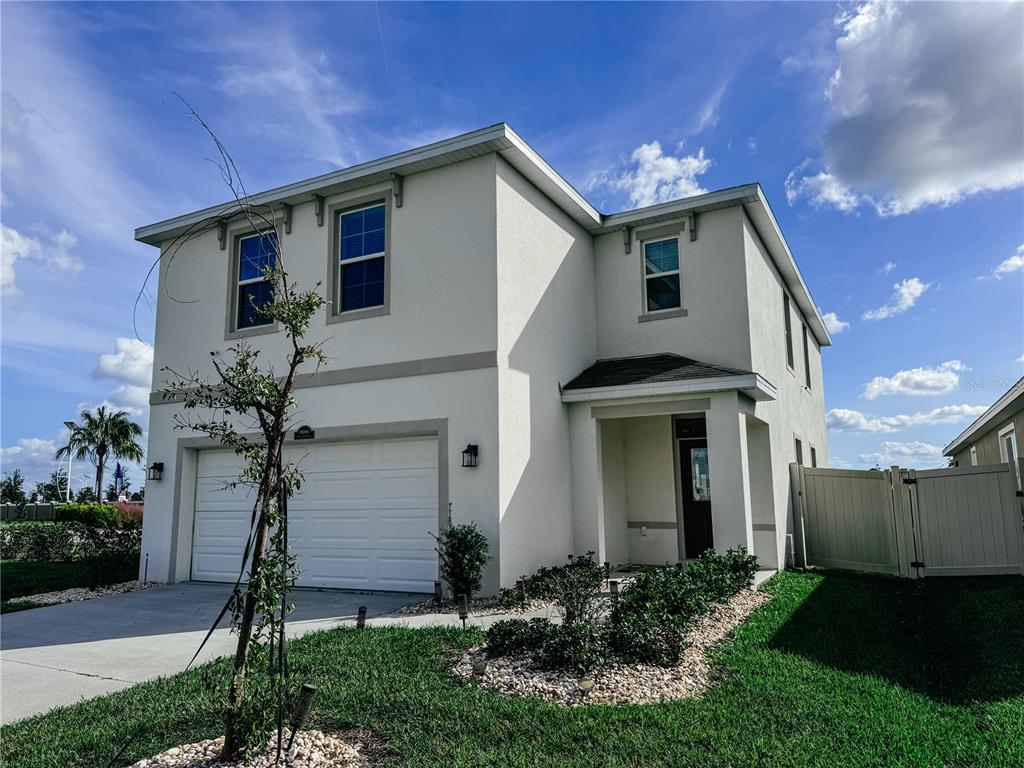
663	293
362	285
251	298
662	256
257	253
362	233
701	480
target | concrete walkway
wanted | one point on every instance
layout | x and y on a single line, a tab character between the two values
61	654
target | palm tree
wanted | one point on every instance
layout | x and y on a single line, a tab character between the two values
102	435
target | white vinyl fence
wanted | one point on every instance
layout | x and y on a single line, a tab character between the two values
962	521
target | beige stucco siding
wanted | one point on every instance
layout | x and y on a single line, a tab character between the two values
442	279
797	411
713	277
546	335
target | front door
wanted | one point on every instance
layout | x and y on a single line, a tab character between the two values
695	486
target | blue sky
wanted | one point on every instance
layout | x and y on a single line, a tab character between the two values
889	140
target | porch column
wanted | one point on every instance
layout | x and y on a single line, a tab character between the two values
731	520
587	485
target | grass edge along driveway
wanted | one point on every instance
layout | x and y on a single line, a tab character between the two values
837	670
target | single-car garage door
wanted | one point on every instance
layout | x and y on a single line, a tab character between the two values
363	519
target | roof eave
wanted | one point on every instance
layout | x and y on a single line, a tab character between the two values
752	384
991	415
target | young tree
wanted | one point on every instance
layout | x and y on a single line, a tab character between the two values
86	495
100	436
247	404
12	488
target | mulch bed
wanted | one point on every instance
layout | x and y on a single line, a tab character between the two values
620	683
76	594
478	606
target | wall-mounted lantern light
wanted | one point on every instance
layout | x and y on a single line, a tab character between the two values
155	471
470	455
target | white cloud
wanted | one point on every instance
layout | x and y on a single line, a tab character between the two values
914	453
1020	359
833	323
656	177
751	146
15	247
888	267
905	295
823	189
925	107
848	420
34	456
132	363
937	380
1014	263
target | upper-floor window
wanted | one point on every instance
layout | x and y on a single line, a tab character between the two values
814	456
807	357
661	275
789	328
974	456
363	252
799	445
256	254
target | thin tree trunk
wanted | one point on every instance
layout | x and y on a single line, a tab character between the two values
236	691
100	461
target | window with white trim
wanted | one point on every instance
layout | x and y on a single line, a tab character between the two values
362	254
814	456
256	255
807	358
799	444
974	456
1008	449
662	288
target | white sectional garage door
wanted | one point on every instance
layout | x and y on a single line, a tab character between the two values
362	520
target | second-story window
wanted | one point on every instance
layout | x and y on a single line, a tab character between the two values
661	275
363	248
256	254
788	321
807	357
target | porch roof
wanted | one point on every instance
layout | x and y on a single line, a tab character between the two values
666	373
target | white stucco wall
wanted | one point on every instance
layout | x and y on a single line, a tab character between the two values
716	328
797	411
546	335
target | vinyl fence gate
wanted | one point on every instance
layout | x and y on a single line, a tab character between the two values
962	521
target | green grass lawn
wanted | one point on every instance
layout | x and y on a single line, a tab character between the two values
838	670
19	578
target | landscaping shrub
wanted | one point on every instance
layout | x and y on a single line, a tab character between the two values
667	596
463	553
94	515
67	541
636	638
580	647
719	577
575	588
514	636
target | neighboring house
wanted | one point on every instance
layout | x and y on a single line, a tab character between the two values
631	384
992	437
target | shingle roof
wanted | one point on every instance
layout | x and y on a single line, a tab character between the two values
646	369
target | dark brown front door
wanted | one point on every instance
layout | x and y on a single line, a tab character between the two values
695	485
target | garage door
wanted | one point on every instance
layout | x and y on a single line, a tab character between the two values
363	518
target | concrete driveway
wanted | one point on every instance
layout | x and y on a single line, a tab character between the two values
62	654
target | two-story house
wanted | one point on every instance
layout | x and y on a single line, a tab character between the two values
632	384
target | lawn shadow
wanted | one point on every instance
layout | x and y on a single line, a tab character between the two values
954	640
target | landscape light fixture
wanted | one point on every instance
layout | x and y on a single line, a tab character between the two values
585	685
299	714
480	667
463	609
361	617
471	456
155	471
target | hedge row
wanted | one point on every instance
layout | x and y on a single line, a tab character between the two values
67	541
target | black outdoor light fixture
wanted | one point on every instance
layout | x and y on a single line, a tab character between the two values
155	471
470	455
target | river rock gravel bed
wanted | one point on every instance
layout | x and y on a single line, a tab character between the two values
77	594
620	683
313	749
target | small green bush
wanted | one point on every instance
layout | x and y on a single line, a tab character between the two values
94	515
641	639
463	553
578	647
667	596
510	637
719	577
